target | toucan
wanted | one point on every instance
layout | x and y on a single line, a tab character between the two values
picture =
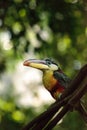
54	79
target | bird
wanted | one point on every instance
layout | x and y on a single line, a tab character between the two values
54	79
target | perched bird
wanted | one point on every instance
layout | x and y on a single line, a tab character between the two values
54	80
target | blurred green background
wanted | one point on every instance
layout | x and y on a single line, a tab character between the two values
38	29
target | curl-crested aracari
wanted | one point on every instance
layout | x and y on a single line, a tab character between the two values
54	80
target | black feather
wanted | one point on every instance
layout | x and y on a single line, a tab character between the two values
63	79
50	61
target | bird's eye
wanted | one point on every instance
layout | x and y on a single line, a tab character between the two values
48	62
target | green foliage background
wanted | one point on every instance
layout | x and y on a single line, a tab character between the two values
46	28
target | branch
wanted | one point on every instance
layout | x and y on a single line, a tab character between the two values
76	82
48	113
57	118
69	100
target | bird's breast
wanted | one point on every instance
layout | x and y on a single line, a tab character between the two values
49	81
52	84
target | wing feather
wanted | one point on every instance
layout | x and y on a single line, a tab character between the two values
63	79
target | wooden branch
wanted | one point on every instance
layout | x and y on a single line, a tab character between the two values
57	118
76	82
50	113
72	102
69	100
51	110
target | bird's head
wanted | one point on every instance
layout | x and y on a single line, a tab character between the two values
46	64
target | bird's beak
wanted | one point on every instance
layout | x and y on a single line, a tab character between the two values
38	64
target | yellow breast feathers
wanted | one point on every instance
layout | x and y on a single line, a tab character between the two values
48	80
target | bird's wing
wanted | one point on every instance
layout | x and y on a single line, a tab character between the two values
63	79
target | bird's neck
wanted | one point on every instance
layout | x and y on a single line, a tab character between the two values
48	80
